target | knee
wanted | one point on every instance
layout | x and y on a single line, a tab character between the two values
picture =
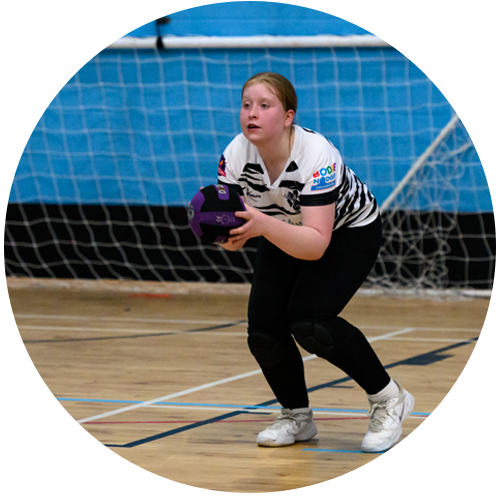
269	350
317	337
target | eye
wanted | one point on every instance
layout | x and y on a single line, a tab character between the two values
264	105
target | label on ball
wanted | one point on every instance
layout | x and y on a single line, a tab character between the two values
225	219
222	192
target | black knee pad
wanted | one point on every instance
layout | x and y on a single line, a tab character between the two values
268	350
314	337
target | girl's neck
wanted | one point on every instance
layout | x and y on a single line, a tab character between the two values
277	156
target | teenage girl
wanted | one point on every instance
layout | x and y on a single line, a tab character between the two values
319	235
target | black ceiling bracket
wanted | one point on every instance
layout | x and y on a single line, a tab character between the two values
160	21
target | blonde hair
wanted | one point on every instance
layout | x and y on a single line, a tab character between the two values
279	85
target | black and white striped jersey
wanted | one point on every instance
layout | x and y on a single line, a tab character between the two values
315	176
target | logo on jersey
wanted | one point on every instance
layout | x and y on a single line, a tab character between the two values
293	199
324	178
248	193
222	167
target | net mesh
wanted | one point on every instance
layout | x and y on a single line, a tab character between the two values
103	184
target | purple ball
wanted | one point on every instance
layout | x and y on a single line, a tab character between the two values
211	213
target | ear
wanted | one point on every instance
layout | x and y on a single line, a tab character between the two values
289	116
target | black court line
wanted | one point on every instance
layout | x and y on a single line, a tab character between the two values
77	444
184	428
134	335
176	431
408	361
414	360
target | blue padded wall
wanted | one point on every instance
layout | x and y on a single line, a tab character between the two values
147	127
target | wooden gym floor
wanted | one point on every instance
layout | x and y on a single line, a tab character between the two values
167	382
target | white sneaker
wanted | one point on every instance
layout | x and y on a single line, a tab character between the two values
386	422
289	427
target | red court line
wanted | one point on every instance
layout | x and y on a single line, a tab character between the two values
469	415
218	422
151	295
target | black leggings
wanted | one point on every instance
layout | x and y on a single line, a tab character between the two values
287	291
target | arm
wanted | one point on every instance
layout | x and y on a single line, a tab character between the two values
306	242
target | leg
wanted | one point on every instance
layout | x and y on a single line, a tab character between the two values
343	345
322	290
269	337
320	295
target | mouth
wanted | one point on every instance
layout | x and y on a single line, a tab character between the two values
252	126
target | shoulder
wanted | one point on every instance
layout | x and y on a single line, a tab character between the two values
315	149
237	154
239	146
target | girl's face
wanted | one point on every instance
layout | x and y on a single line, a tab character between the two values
263	119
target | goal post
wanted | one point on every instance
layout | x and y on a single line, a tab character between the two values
102	187
430	246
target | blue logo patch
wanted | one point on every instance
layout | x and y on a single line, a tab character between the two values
324	178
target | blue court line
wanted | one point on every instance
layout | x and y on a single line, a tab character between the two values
401	453
413	360
209	405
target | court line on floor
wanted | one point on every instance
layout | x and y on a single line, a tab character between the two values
403	453
335	418
218	406
433	339
149	333
420	359
170	396
176	394
125	319
201	331
154	333
222	417
211	330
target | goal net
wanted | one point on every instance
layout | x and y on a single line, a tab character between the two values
102	187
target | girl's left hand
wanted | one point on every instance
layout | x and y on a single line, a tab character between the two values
255	225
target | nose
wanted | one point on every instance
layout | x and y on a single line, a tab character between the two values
252	112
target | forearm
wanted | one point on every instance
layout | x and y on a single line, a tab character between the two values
301	242
307	241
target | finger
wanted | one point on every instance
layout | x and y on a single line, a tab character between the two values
242	228
235	242
235	232
243	215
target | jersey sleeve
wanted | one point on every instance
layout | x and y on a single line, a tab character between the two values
323	185
226	173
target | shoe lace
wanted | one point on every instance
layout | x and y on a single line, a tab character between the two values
379	413
284	421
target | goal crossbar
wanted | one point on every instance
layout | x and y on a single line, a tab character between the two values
248	42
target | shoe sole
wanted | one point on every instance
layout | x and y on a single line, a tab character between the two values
306	437
409	404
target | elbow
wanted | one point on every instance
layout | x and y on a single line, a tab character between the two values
315	256
317	253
